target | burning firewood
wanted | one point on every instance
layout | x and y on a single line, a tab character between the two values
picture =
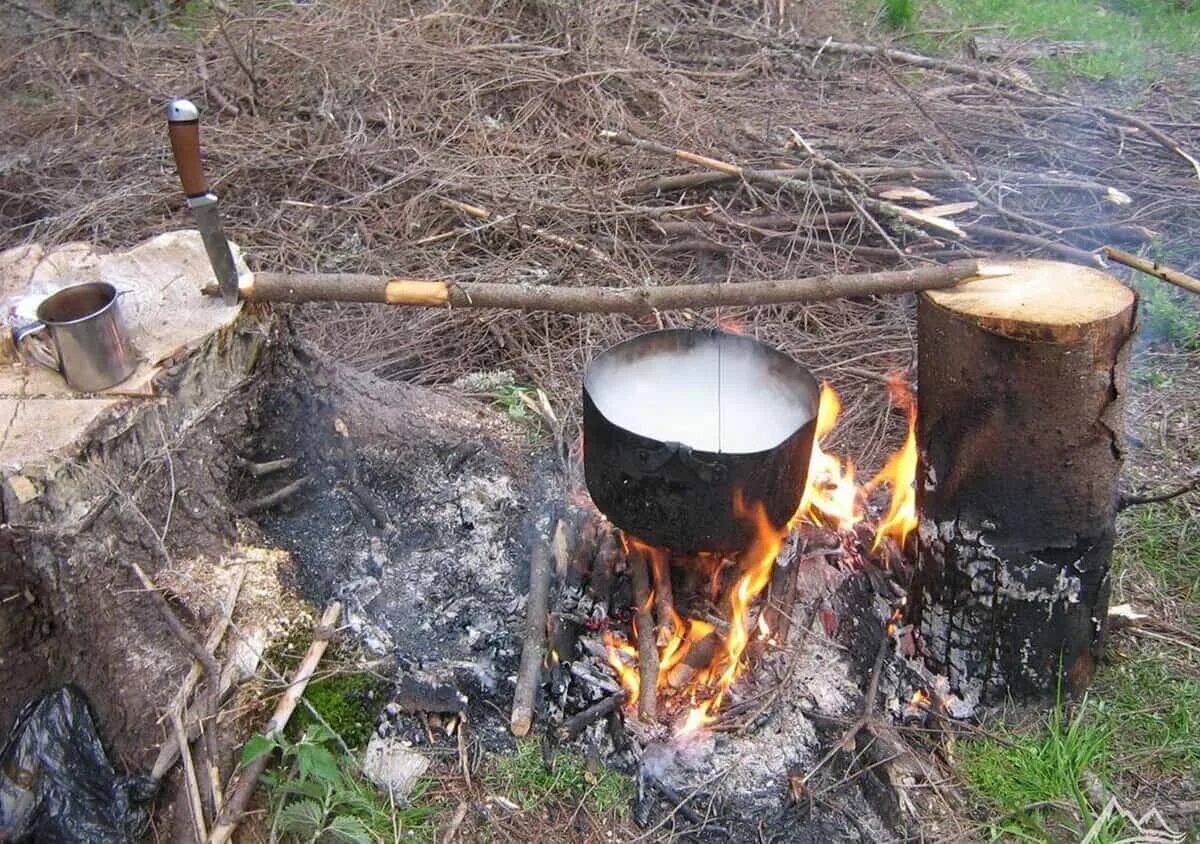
646	639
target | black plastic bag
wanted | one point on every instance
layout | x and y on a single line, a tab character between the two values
56	783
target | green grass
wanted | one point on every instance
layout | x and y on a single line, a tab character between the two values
1138	36
1152	716
349	701
525	779
1033	781
900	14
1162	542
1167	315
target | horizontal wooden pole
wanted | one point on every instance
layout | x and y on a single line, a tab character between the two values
1179	279
346	287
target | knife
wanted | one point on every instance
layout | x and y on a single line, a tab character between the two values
183	125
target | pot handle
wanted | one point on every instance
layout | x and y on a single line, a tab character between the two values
651	460
41	352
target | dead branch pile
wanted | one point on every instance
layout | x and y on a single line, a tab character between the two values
474	141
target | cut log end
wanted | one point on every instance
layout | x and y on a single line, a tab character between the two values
1038	300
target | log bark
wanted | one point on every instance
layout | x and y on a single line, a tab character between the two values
348	287
530	671
1021	409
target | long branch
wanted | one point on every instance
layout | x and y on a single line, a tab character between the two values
637	301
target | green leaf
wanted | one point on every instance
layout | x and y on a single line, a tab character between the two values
318	763
350	829
304	817
258	745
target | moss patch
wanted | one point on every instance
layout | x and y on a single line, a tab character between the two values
349	703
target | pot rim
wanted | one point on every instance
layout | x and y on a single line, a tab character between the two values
801	371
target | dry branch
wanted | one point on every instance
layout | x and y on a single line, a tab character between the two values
824	192
243	788
995	77
207	712
1156	497
646	640
530	671
636	301
1179	279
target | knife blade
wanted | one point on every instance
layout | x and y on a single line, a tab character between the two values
183	126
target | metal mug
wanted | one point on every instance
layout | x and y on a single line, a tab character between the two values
86	342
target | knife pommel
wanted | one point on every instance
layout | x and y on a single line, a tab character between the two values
183	126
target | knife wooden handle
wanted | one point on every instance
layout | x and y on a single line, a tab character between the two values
183	126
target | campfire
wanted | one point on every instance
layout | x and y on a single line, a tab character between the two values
699	620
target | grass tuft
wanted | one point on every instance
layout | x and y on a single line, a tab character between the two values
1161	542
1152	715
524	778
900	14
1035	778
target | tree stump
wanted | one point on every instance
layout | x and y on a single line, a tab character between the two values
1021	430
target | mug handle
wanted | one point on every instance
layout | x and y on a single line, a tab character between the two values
42	353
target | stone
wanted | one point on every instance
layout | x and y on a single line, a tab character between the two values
392	766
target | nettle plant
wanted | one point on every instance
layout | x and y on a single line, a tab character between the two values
318	795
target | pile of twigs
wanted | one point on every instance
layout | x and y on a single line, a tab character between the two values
557	141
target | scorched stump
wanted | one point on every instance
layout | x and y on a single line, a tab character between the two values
1021	406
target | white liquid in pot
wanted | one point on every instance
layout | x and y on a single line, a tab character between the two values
672	396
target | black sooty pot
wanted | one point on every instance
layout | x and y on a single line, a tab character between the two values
678	423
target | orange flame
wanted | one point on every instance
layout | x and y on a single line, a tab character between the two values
620	655
831	495
919	698
900	474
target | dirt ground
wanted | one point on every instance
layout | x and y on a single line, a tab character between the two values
349	136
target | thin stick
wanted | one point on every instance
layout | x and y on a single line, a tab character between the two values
530	672
274	499
215	636
636	301
579	722
1155	269
259	470
191	783
646	640
1155	497
212	670
664	599
1064	250
243	788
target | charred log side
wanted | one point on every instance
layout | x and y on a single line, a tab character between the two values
1022	392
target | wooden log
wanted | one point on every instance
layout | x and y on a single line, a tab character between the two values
530	671
637	301
1021	408
646	640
